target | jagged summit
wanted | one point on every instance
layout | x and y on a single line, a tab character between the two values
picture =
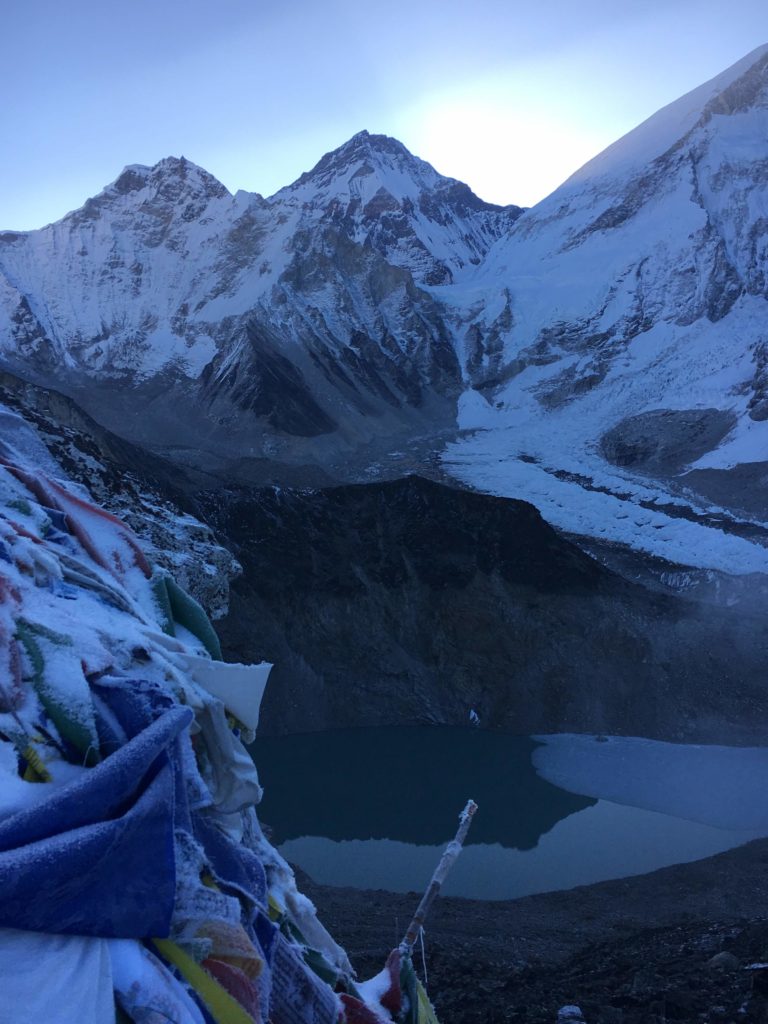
371	145
362	167
170	178
136	176
174	185
173	181
369	163
365	154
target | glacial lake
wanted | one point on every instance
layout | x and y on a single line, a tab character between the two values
375	807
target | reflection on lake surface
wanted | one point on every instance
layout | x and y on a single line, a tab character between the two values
407	784
373	808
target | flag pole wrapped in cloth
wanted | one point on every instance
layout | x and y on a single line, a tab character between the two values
447	861
397	992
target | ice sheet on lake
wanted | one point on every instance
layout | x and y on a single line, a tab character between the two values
720	786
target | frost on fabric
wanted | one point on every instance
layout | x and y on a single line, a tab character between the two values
69	976
127	796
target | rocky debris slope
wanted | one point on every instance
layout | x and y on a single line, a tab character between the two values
687	943
150	495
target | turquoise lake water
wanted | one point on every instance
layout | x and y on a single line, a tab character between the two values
374	808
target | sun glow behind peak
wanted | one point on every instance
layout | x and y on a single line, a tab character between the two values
507	151
509	99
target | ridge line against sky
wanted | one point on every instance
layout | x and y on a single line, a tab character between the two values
509	101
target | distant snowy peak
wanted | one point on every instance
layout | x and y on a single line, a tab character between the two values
370	168
365	157
377	194
107	289
171	177
365	164
302	313
172	183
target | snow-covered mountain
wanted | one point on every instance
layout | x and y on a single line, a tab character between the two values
606	350
622	326
185	316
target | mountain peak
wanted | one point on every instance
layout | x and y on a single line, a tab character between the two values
375	146
171	182
379	159
171	172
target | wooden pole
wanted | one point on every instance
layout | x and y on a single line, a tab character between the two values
452	851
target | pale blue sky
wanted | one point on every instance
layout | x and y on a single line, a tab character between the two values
510	97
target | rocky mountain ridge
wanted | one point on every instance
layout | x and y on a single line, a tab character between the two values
290	318
600	354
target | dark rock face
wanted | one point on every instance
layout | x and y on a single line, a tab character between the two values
275	389
664	441
758	402
409	601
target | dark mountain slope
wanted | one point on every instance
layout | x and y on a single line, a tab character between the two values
409	601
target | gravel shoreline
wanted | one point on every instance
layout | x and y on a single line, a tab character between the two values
633	951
